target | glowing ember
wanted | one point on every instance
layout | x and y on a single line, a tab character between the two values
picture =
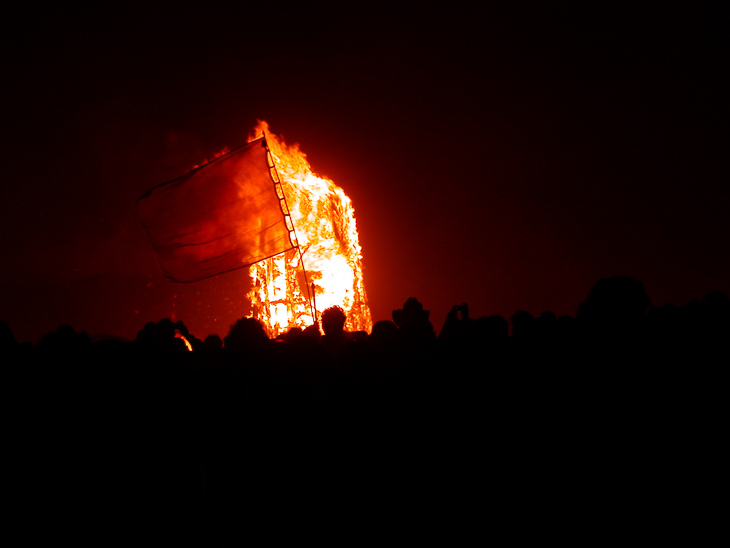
324	221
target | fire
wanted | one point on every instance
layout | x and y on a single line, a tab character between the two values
324	221
179	335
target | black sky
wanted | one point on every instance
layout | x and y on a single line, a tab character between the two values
503	157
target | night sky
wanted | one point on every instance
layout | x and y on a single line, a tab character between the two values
507	158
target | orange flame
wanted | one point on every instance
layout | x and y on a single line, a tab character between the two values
324	220
179	335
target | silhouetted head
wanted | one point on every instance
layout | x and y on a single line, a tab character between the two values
384	329
65	331
293	332
491	328
414	329
384	334
312	331
412	312
166	328
616	301
64	339
213	343
523	324
333	320
245	334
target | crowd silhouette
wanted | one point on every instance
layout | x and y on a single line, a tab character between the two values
612	418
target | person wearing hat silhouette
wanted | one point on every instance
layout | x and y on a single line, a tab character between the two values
413	324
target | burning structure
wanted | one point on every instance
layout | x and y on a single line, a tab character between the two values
261	206
324	222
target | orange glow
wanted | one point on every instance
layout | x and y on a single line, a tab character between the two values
179	335
324	220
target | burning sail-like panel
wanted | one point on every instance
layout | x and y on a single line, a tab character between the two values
223	215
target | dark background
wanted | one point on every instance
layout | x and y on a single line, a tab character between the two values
506	157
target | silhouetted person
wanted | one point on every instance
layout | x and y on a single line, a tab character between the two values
491	330
313	332
414	329
247	334
65	341
149	424
523	325
292	333
615	307
384	336
457	326
162	337
546	327
213	343
333	324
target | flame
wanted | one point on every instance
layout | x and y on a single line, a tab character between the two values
179	335
324	221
